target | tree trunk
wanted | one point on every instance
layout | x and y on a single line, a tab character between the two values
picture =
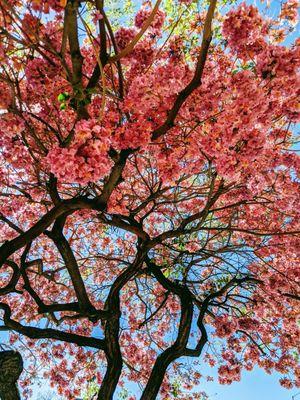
11	367
9	392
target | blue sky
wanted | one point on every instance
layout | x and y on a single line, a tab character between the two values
254	385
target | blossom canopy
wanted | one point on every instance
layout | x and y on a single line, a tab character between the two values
149	179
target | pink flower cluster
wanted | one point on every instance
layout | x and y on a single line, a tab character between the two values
248	324
5	95
289	11
86	159
133	134
280	66
45	6
124	36
40	72
224	326
244	29
229	374
143	52
278	61
144	13
11	143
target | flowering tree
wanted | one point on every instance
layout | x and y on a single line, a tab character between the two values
150	194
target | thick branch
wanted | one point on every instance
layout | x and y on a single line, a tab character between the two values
130	226
112	328
42	307
196	81
10	223
49	333
103	42
115	174
11	286
178	349
76	57
62	244
9	247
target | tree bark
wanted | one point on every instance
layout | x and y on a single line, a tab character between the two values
11	367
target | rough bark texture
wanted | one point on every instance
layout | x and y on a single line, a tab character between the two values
11	367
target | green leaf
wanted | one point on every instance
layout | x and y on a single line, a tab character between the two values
63	97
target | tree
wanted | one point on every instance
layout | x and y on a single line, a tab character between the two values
150	190
11	366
